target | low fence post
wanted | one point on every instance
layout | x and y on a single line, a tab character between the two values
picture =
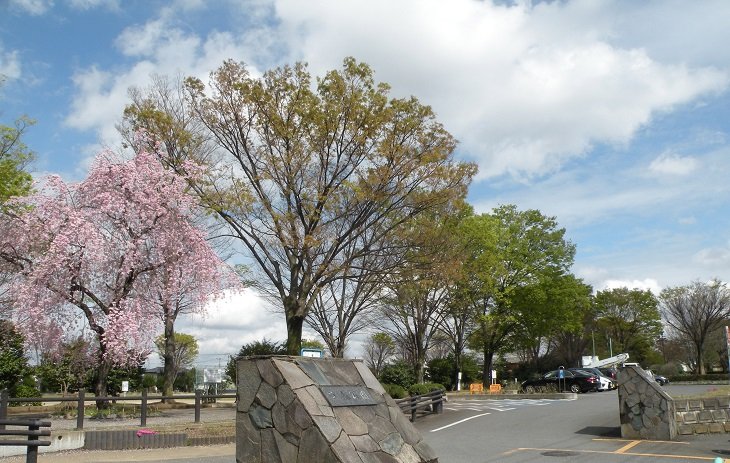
439	406
143	419
80	410
414	409
4	397
198	394
32	453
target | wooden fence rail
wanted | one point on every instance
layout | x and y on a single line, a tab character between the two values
430	402
81	400
33	432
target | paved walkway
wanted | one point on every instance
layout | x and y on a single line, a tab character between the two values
108	456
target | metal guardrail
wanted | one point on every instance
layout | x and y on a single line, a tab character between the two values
33	431
81	400
431	402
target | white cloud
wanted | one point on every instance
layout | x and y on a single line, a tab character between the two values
91	4
646	284
715	258
524	88
233	321
9	64
33	7
673	164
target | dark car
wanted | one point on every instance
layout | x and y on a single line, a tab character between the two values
662	380
604	382
573	381
609	372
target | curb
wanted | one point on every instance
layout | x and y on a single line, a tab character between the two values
554	395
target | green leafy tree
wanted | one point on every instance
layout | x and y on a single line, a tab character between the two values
183	350
307	169
554	304
68	369
399	373
507	250
14	159
631	319
263	347
13	363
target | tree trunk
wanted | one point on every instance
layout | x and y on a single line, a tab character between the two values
168	374
700	359
100	388
294	334
457	369
487	370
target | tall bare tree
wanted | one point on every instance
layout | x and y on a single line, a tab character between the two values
695	311
308	168
378	350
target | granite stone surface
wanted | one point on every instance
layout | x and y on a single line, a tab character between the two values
283	416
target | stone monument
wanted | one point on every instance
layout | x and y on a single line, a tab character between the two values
646	410
308	410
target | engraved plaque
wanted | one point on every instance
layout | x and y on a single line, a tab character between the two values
347	396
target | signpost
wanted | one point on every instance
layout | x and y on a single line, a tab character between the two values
309	352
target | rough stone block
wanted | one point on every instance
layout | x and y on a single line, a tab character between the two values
686	429
368	378
313	447
248	383
726	425
294	377
704	416
266	395
269	450
365	443
345	450
351	423
716	427
701	428
694	404
709	404
248	446
269	373
723	402
690	417
330	427
719	415
391	444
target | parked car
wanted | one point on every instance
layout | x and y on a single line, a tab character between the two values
605	383
573	381
609	372
662	380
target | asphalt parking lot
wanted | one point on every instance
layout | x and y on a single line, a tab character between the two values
499	430
584	429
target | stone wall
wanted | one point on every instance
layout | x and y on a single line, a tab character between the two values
646	410
284	417
702	416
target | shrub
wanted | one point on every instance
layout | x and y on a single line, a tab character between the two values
395	391
24	390
424	388
399	373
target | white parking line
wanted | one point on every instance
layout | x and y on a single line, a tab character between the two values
458	422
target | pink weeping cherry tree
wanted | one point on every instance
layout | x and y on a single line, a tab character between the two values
115	254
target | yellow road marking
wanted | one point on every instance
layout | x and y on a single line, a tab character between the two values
628	446
611	439
633	454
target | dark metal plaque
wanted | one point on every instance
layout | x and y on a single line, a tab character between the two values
347	396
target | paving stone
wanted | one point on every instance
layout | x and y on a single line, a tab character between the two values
278	416
408	454
266	395
314	448
294	377
269	373
351	423
726	425
366	413
345	451
248	440
248	383
377	457
709	404
701	428
365	443
285	395
287	450
300	415
330	427
269	450
368	377
391	444
425	451
694	404
690	417
380	428
261	417
723	402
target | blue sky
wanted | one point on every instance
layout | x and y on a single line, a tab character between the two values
614	116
